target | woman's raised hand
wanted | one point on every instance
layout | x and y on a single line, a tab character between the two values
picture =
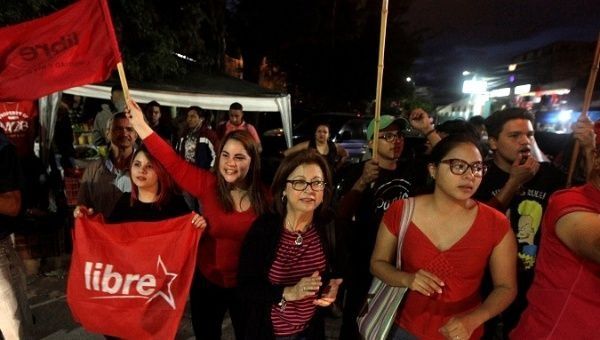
199	221
425	283
136	117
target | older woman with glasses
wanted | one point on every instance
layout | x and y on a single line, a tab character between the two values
448	245
285	256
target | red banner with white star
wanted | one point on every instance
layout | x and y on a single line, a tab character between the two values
131	280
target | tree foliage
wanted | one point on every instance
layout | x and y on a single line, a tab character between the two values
329	48
150	32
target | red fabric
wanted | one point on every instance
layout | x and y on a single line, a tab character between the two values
292	263
17	119
564	300
219	251
71	47
143	252
461	268
244	126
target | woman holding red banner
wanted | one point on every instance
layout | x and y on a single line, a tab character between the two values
153	195
284	259
232	197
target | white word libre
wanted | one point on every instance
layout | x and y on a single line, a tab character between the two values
102	277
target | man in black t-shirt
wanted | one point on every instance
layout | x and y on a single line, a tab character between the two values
520	186
15	318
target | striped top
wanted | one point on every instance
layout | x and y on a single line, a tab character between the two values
292	263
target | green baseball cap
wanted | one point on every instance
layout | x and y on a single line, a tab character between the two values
384	122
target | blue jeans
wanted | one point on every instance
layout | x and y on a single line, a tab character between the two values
397	333
298	336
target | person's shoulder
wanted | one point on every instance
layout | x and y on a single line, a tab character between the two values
489	212
575	195
96	165
264	225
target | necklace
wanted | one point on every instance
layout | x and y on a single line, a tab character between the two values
299	238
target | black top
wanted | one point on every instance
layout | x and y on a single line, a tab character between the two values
331	156
527	206
360	213
124	211
257	293
10	180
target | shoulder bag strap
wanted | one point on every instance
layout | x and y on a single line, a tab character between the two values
407	212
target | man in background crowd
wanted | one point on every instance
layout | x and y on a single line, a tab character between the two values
520	186
117	104
236	122
107	178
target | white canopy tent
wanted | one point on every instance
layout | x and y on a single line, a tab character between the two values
212	93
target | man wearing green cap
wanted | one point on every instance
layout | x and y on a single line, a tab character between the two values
374	186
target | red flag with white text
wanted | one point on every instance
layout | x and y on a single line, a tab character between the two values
131	280
71	47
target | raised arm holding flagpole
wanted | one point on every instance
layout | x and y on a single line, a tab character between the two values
589	91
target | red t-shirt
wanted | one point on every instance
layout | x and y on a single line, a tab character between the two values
564	300
244	126
219	249
17	119
461	267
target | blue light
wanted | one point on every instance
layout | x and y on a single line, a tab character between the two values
565	116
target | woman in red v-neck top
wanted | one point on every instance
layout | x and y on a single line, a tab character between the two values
232	198
449	242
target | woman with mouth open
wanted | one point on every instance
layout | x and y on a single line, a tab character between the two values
448	245
286	255
232	198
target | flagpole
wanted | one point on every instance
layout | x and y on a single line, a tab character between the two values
382	31
123	80
589	92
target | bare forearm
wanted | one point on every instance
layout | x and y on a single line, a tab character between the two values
495	303
588	157
389	274
502	199
10	203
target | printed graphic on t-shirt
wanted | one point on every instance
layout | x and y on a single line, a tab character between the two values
530	217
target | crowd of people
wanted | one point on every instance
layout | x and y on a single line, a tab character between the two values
490	251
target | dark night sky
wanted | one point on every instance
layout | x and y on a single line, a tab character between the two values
474	34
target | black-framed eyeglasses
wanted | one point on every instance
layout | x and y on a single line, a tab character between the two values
459	167
301	185
390	137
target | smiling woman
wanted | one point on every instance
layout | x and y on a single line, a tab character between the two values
284	261
232	198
